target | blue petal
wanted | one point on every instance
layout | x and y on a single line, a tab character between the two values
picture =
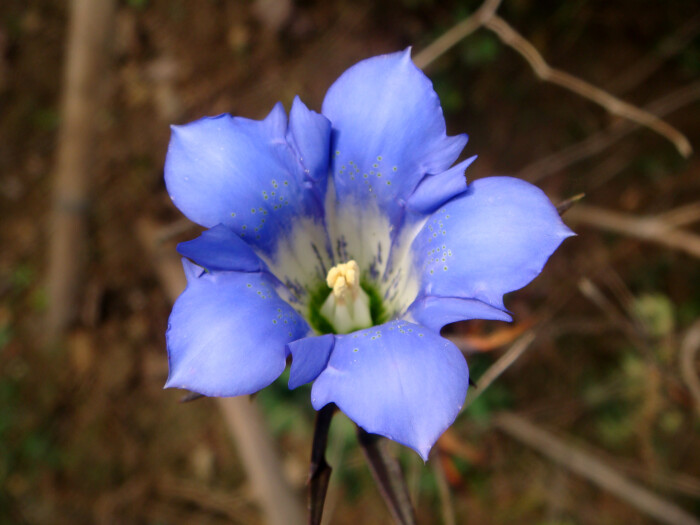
399	380
244	174
310	134
436	190
227	333
309	358
388	133
221	249
491	240
436	312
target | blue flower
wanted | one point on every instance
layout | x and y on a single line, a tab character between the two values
347	239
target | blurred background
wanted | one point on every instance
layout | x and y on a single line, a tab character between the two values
602	357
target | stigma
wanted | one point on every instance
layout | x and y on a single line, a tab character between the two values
347	305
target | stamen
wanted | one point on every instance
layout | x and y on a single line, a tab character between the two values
347	306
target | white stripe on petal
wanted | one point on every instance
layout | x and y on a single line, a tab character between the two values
359	231
301	259
400	285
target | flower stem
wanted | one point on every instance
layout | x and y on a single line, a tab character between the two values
386	471
319	469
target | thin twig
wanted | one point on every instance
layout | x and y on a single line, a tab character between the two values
191	396
485	16
446	506
504	335
174	229
504	362
670	46
242	416
86	54
646	228
668	481
612	104
682	215
591	468
612	166
234	506
456	33
594	294
262	462
600	141
687	362
566	205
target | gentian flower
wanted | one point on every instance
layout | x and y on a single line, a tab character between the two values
346	239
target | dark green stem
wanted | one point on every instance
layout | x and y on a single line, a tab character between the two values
319	470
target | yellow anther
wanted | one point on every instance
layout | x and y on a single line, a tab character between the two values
344	278
340	287
347	306
332	276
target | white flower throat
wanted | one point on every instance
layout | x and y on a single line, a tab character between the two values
347	306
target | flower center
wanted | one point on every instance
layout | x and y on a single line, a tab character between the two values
347	307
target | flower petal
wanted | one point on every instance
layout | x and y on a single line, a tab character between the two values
219	248
491	240
227	333
388	133
436	190
399	380
310	134
309	358
436	312
246	175
241	173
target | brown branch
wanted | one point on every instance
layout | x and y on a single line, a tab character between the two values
649	117
670	46
450	38
447	509
569	203
86	53
687	362
651	229
612	104
593	469
261	460
242	416
682	215
504	362
676	482
594	294
519	347
234	506
602	140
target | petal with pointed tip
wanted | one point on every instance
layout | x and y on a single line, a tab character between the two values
219	248
227	333
436	312
244	174
435	190
310	133
309	358
388	132
493	239
400	380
